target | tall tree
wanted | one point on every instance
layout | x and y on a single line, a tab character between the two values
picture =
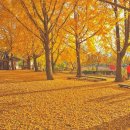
85	24
121	48
45	15
8	34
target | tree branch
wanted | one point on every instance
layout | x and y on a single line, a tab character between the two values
30	30
111	3
35	9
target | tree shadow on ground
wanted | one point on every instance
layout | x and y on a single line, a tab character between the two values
16	92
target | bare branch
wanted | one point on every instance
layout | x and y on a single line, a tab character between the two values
36	11
49	6
57	18
89	37
53	10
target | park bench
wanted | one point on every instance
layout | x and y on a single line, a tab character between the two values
97	78
86	72
124	85
88	78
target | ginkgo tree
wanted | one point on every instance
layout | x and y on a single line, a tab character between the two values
63	24
85	23
29	49
57	48
122	48
8	35
121	11
44	15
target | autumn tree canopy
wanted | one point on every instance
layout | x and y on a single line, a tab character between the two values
65	28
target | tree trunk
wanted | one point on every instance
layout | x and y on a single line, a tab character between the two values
53	68
118	46
35	63
28	63
78	59
77	44
46	43
118	68
48	63
12	63
52	63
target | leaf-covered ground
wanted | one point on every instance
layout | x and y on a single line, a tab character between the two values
61	104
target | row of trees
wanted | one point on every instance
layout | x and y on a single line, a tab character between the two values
50	27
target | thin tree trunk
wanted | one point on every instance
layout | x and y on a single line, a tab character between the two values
35	63
28	63
53	68
52	63
12	63
78	59
77	44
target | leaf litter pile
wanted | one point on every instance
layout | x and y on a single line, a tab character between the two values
64	105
